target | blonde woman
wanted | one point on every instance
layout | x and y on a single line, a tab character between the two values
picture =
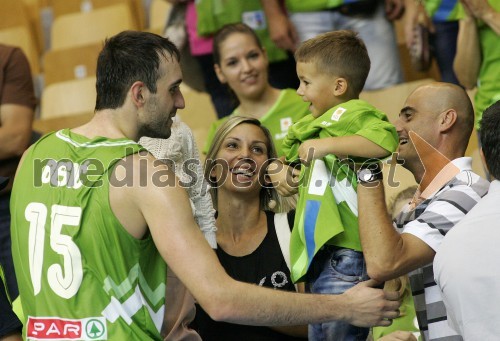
251	237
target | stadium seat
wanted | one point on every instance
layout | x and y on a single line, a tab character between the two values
84	28
68	98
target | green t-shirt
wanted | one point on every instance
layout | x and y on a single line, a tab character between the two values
327	210
214	14
444	10
288	109
314	5
488	86
81	275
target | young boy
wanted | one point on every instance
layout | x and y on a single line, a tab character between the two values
325	244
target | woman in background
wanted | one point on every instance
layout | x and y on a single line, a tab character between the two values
241	63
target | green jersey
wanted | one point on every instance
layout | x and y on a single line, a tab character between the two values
213	14
327	209
81	275
488	87
314	5
288	109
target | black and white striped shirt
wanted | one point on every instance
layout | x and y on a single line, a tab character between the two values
430	221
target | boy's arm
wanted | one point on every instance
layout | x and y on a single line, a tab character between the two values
341	146
166	213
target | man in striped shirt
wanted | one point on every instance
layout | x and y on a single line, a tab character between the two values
434	128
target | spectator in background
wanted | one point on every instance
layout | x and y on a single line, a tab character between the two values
10	326
17	108
302	20
205	17
465	267
477	62
441	18
241	62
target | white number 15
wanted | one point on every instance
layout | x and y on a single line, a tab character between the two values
64	280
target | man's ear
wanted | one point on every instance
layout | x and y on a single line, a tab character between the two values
447	120
137	91
340	87
219	74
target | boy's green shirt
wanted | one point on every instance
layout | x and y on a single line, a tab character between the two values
327	209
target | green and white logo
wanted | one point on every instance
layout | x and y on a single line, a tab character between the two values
95	329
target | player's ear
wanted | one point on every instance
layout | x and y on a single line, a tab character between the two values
137	93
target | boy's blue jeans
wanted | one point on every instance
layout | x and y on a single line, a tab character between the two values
333	271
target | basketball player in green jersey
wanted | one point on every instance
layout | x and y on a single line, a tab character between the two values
95	218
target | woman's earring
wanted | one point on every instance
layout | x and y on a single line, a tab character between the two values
272	203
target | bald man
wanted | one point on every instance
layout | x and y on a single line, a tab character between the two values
434	128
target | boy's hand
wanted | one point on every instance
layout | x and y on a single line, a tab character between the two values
283	177
311	150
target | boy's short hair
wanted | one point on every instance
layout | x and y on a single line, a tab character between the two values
339	53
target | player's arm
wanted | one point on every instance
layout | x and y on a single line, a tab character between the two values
295	331
388	254
341	146
167	213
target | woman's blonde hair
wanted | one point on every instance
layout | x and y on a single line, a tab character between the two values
267	193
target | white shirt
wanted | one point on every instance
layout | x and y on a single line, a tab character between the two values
467	270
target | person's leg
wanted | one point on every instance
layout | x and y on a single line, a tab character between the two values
444	43
222	99
339	270
380	39
5	246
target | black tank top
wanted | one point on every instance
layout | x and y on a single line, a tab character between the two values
266	267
